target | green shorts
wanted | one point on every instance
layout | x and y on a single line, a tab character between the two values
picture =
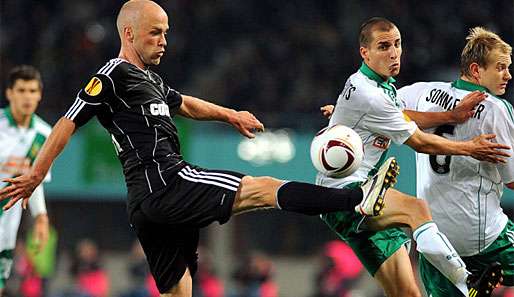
6	261
501	250
372	248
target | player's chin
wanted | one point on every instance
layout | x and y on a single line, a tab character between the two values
499	91
156	61
28	111
394	71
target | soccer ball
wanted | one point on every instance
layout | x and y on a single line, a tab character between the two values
337	151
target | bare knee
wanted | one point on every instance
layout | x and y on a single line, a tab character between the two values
420	214
256	192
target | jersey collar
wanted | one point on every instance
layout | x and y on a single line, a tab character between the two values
376	77
12	122
468	86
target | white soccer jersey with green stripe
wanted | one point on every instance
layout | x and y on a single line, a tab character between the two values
463	193
18	149
368	105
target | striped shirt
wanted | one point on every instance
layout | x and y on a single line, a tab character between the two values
137	108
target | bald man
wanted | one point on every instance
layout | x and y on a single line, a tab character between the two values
168	198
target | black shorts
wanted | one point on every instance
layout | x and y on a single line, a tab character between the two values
168	223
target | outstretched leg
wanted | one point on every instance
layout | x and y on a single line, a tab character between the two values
267	192
405	210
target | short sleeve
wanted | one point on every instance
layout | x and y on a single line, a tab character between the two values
501	123
89	100
386	119
174	99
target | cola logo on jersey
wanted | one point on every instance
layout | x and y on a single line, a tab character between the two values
381	142
159	109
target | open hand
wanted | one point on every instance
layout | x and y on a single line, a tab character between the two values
20	187
466	107
484	150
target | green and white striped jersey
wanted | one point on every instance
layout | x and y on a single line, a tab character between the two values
18	149
368	105
463	193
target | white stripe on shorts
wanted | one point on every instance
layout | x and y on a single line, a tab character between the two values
224	183
237	179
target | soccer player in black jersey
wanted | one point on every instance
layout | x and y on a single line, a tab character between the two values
168	198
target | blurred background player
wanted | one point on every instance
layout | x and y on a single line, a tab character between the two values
464	194
22	136
369	105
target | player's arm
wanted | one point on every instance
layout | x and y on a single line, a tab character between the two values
198	109
37	206
53	146
461	113
23	186
479	147
85	107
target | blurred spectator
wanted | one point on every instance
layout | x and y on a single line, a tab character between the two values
339	271
24	281
275	58
254	277
91	279
206	283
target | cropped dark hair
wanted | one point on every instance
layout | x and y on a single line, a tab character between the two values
374	24
23	72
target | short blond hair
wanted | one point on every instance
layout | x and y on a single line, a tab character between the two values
480	43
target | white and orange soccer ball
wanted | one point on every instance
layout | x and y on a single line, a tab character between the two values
337	151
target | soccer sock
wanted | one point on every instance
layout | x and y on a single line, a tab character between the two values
439	252
311	199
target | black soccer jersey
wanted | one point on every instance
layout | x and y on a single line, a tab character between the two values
137	109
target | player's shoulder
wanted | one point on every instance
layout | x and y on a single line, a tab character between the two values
365	88
113	67
113	73
41	126
499	107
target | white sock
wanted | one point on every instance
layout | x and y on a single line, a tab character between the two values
438	250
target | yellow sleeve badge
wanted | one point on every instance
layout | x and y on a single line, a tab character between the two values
94	87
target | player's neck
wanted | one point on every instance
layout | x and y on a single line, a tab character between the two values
132	57
21	120
470	80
